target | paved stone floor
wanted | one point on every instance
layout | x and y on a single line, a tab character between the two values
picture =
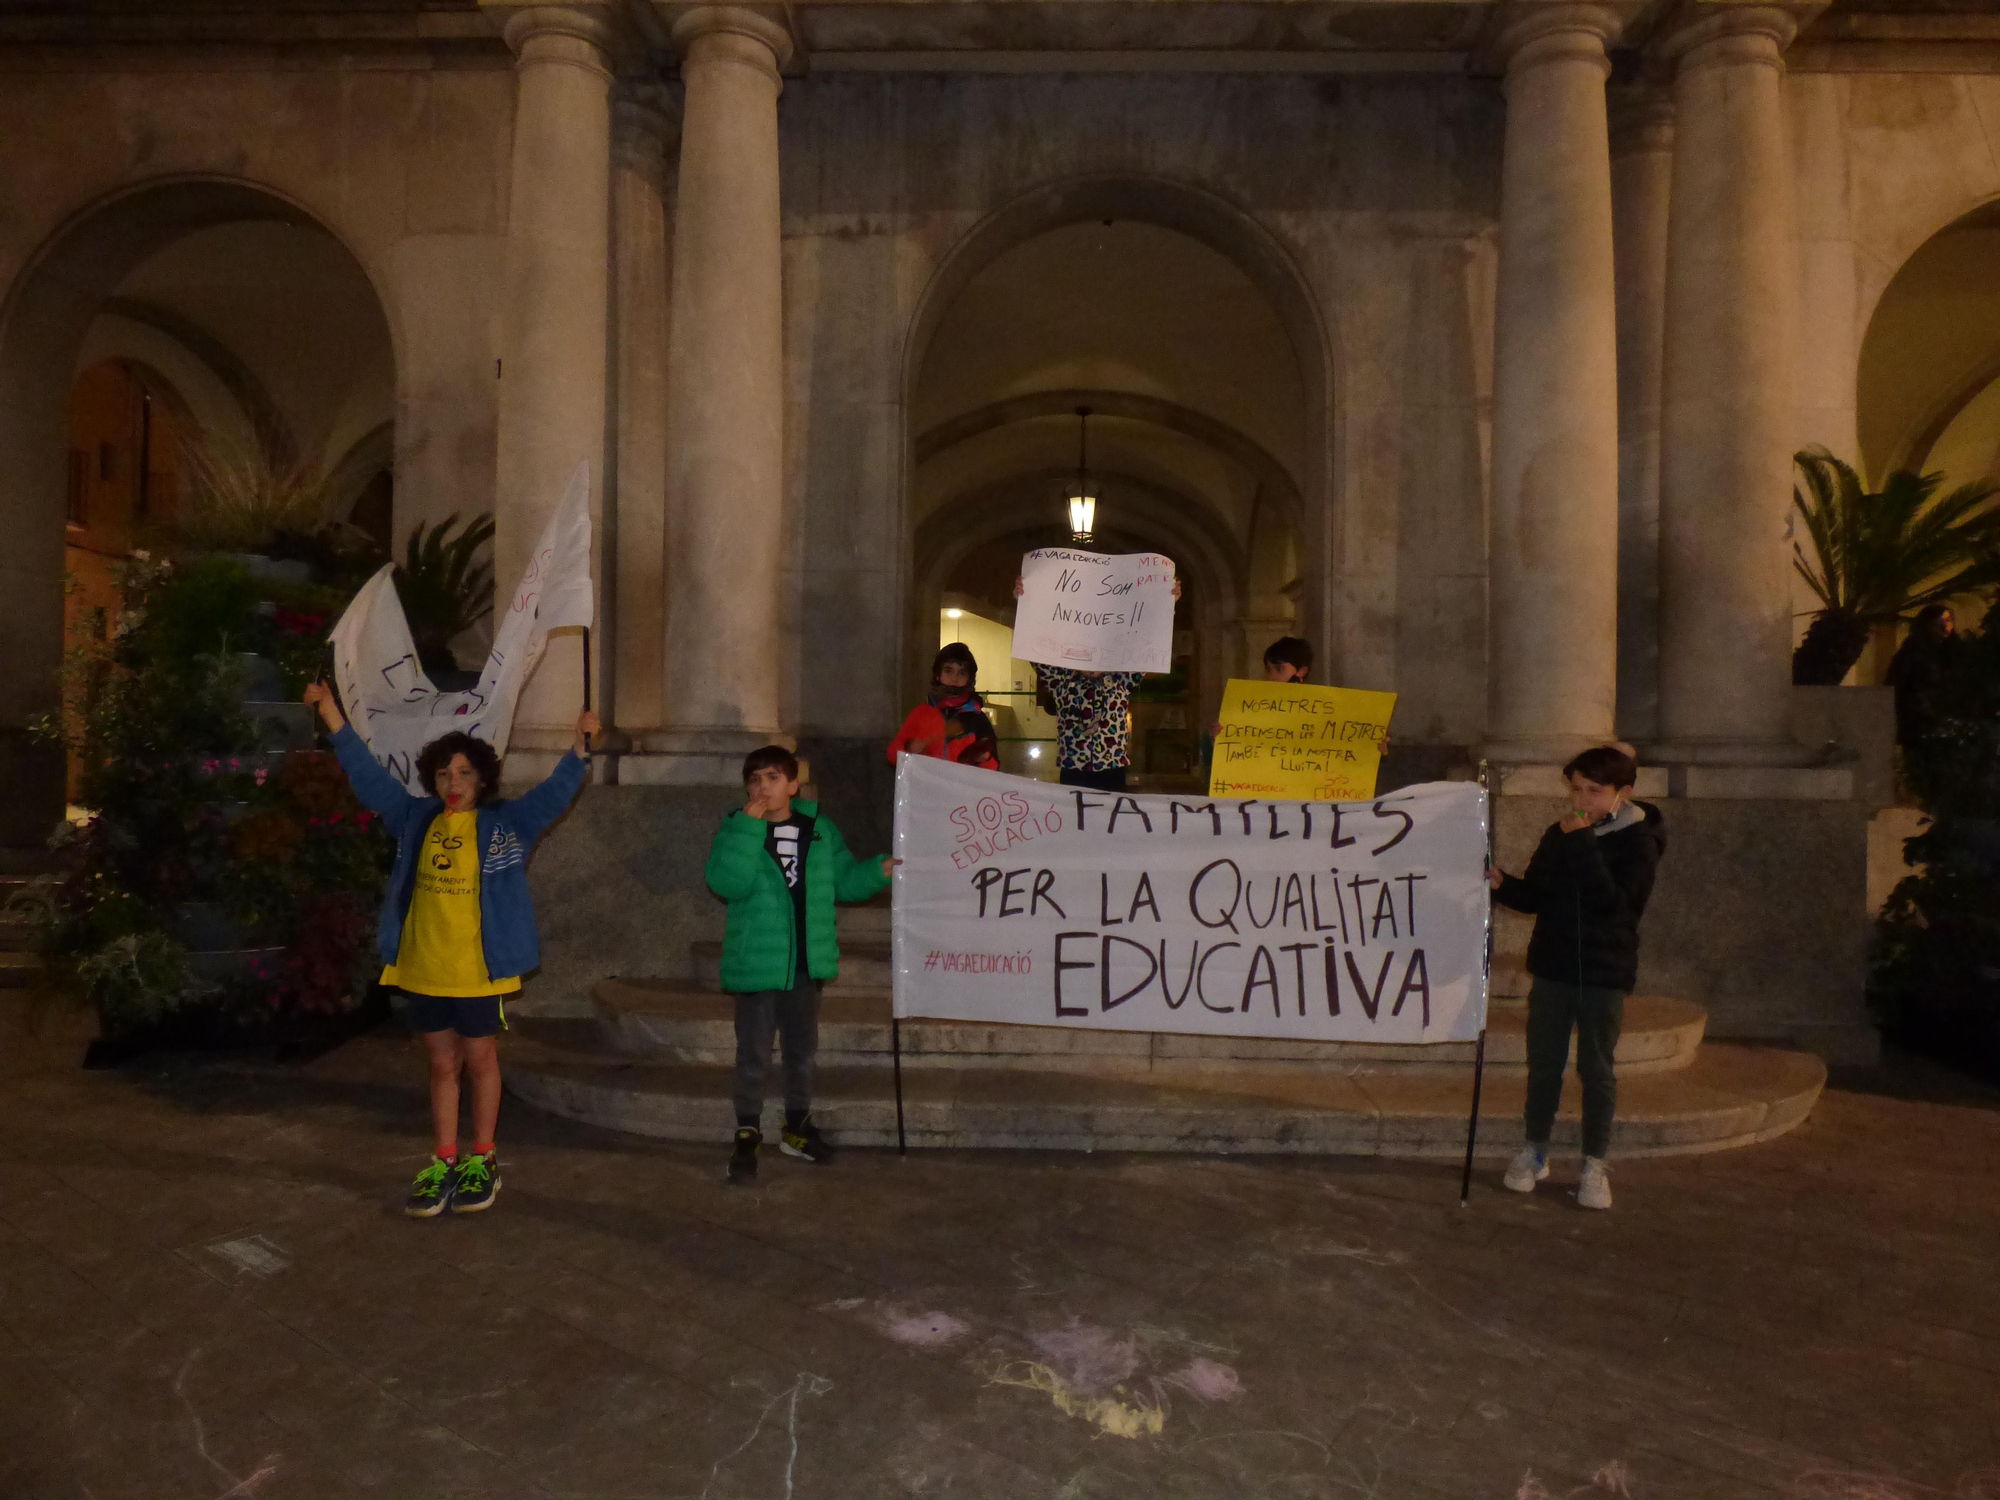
206	1290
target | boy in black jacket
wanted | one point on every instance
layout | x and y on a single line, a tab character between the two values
1586	888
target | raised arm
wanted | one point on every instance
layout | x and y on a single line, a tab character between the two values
535	809
381	793
1606	884
734	856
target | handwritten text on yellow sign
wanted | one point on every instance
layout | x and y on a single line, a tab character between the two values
1293	742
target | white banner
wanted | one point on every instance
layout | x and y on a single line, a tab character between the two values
391	702
1094	612
1022	901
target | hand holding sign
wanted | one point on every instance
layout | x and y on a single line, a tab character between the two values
1094	612
1291	740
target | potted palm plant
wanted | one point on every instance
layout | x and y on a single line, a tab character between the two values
1879	557
446	588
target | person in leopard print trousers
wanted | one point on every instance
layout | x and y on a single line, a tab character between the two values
1093	720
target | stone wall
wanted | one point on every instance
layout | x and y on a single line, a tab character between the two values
107	162
1382	203
1759	914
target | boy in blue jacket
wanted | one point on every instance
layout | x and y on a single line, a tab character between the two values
457	929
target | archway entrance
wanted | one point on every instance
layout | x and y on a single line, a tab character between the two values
1927	394
184	329
1200	441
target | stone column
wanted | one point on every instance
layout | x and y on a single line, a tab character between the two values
1642	146
1554	547
642	261
725	399
1726	398
554	296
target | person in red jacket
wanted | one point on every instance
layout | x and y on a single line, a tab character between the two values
953	674
971	740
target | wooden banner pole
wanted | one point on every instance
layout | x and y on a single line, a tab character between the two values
1486	1000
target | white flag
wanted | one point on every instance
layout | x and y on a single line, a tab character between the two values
397	709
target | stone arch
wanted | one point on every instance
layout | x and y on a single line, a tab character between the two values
1303	499
1907	234
1279	485
1931	342
44	316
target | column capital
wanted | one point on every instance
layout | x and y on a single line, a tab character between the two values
1703	33
1642	119
1528	33
733	20
578	34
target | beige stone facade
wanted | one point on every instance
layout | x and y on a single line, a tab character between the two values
1470	340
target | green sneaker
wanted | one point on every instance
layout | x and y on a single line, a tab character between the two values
476	1183
431	1191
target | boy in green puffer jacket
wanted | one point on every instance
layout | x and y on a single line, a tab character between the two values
781	866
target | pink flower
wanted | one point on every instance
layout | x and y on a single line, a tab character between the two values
208	766
262	773
335	817
235	764
312	822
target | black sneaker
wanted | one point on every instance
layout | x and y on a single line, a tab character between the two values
806	1143
743	1157
476	1183
431	1191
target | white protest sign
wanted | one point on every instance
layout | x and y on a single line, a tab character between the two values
1095	612
390	701
1020	901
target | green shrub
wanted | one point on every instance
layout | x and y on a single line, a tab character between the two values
1934	981
186	817
137	979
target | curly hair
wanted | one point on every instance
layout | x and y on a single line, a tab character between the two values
435	756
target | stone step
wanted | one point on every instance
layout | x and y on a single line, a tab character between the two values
19	970
667	1021
864	965
17	934
1729	1096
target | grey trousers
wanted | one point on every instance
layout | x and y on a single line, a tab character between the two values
1597	1016
793	1015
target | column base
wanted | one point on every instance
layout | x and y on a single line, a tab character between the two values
1554	750
737	742
693	757
1546	780
1704	752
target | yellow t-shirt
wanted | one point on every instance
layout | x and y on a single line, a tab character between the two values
440	953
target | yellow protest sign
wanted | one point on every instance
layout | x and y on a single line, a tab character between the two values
1294	742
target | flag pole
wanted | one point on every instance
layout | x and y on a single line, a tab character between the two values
1485	999
586	667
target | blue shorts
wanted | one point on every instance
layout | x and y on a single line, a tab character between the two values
468	1015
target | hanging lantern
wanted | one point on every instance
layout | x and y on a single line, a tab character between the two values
1081	496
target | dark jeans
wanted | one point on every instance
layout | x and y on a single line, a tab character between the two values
1112	780
1596	1015
793	1015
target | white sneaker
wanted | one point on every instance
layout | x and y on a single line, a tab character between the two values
1593	1190
1529	1166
